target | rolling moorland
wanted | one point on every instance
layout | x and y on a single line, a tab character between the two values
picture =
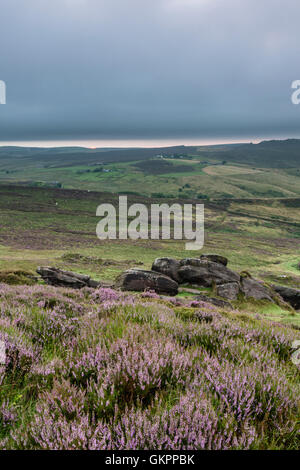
104	369
266	170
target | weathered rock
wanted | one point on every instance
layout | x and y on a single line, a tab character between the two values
228	291
215	258
139	280
167	266
58	277
214	301
252	288
205	273
289	295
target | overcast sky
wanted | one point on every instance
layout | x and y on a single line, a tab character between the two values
167	70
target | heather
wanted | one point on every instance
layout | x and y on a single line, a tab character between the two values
101	369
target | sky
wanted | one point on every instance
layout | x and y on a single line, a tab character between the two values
148	72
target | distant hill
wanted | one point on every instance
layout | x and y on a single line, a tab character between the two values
266	154
67	156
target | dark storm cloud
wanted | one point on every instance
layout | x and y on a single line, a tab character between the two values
79	69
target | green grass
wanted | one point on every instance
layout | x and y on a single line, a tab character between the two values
269	311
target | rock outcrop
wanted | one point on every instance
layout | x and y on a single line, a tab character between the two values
139	280
167	274
205	273
212	271
216	259
177	269
254	289
228	291
167	266
289	295
214	301
58	277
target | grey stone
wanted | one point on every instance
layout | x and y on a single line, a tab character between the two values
139	280
289	295
228	291
214	301
58	277
255	289
167	266
205	273
215	258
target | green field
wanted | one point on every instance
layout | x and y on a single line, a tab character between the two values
180	179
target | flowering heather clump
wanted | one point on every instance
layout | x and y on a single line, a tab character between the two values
251	392
132	368
106	294
8	415
102	369
201	304
41	297
150	294
19	355
52	326
109	300
191	424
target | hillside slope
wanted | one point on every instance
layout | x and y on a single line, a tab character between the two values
266	154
